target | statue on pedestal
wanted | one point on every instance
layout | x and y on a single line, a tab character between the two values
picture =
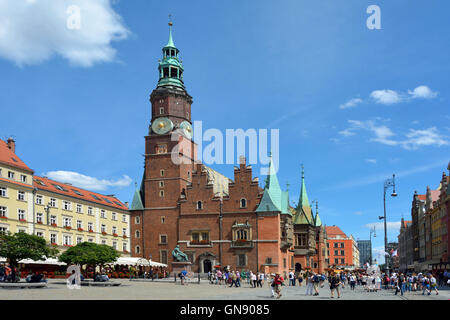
178	255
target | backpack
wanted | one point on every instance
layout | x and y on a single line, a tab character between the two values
315	278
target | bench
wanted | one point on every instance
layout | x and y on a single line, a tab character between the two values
91	283
22	285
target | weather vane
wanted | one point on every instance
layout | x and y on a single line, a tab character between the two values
170	20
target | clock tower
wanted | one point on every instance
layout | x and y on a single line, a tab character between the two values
169	160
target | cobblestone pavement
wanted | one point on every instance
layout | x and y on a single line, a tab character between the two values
168	290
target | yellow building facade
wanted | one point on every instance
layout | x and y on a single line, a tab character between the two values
64	215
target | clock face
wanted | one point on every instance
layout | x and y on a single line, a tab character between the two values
162	126
187	129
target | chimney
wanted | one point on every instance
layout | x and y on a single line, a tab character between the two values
11	144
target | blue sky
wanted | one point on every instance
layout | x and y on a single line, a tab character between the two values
353	105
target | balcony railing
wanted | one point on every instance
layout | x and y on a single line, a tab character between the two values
242	243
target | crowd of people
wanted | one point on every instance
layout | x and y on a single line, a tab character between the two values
370	280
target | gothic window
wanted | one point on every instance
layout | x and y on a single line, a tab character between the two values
161	184
199	205
163	220
137	220
161	193
138	249
241	234
138	234
243	203
302	240
161	172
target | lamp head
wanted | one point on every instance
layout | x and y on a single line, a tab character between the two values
394	194
381	217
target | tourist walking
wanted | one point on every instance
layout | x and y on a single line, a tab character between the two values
238	279
254	279
233	278
260	281
278	281
352	281
433	284
316	281
271	282
309	283
300	279
334	281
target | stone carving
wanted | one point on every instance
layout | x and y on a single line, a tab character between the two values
178	255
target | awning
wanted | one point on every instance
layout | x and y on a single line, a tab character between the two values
136	261
50	261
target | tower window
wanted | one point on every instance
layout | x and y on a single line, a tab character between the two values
161	193
243	203
161	184
199	205
166	72
173	72
162	172
161	110
172	53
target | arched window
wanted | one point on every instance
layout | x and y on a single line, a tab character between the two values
242	234
138	234
138	249
243	203
199	205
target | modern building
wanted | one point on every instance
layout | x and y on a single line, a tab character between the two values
341	249
365	252
213	219
61	213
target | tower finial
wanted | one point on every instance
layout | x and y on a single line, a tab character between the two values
170	20
303	171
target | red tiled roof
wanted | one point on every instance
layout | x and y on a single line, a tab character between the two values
422	196
334	231
405	223
75	192
10	158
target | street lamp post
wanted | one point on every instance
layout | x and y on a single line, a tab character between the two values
370	237
387	184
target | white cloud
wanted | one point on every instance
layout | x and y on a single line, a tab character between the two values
33	31
86	182
386	96
380	225
413	140
351	103
374	161
422	92
358	213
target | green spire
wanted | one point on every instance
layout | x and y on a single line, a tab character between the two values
170	68
274	199
170	44
136	204
317	221
304	212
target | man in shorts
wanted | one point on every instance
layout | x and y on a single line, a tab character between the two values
335	282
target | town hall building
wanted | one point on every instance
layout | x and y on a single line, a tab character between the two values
215	221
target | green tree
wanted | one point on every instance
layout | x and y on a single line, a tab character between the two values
90	254
21	245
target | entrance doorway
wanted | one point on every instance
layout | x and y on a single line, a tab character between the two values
298	267
207	267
